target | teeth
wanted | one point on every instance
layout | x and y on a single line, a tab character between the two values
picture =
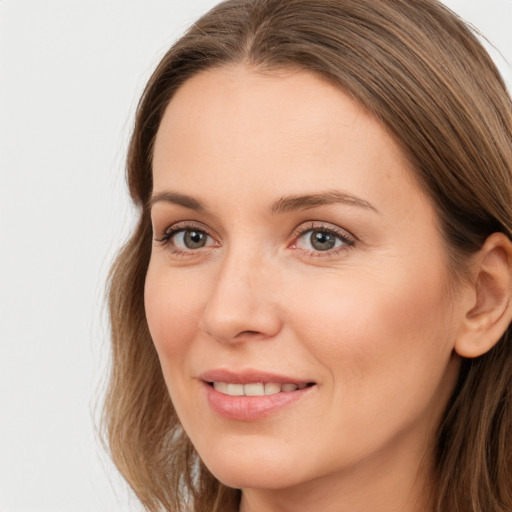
272	389
221	386
235	390
255	389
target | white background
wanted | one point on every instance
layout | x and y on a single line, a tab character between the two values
70	75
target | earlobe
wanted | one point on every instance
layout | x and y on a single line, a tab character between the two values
490	312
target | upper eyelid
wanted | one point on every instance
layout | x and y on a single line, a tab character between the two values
185	225
304	227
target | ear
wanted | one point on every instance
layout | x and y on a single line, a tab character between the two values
490	307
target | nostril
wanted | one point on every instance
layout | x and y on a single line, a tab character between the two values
249	335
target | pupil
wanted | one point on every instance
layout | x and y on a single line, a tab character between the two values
322	241
194	239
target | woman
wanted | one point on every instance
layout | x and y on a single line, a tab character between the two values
313	312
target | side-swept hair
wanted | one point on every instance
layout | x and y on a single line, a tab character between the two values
418	69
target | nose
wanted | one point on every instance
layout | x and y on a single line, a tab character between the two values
243	304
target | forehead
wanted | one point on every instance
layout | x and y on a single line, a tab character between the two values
238	125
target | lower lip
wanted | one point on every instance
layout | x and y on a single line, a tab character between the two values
251	408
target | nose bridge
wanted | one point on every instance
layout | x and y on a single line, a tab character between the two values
241	303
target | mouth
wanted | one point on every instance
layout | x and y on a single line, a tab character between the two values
251	395
257	388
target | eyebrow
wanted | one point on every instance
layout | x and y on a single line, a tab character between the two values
176	198
303	202
282	205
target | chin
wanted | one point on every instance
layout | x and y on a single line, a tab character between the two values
254	478
254	469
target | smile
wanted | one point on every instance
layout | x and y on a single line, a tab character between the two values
255	388
252	395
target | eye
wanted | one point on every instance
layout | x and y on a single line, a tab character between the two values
190	239
184	239
322	239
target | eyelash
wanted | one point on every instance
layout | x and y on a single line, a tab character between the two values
346	239
175	229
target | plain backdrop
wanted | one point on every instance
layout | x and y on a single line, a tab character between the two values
70	75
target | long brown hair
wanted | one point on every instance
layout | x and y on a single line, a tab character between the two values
418	68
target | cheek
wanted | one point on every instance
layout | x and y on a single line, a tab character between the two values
385	346
173	307
394	328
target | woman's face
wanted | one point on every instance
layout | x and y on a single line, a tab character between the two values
295	255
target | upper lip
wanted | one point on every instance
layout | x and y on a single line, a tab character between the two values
249	376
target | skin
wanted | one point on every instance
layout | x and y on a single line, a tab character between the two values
372	322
